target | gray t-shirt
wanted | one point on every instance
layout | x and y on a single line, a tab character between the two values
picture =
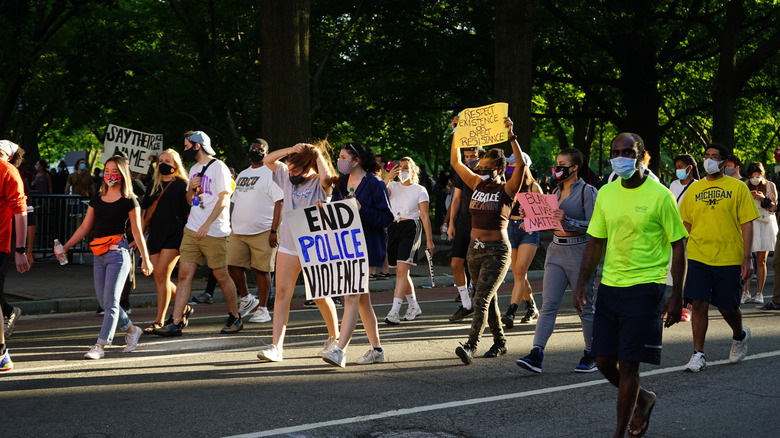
295	197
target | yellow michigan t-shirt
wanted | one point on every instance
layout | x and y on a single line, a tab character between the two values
716	210
639	224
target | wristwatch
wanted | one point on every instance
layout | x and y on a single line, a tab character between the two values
273	231
21	249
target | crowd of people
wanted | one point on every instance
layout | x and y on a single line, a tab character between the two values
702	237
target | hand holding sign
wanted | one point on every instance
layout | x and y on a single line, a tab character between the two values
540	211
481	126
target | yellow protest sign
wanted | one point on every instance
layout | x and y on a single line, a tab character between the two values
482	126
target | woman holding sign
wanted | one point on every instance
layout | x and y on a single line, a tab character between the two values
564	256
409	203
358	167
489	249
306	180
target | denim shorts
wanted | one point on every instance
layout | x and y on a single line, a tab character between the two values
518	236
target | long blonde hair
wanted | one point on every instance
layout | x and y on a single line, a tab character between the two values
415	177
126	186
177	173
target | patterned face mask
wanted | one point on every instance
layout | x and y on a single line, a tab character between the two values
112	179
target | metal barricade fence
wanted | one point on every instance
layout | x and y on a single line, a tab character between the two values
57	217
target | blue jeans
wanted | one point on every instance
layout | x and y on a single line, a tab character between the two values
111	270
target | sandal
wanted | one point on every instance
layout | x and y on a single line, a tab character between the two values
185	316
638	427
150	329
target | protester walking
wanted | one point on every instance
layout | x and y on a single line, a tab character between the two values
764	195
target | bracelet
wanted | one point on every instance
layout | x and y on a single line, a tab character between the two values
513	137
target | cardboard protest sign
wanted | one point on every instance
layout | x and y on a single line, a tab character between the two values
538	209
137	146
482	126
331	247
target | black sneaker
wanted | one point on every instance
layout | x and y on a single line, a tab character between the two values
532	362
497	349
372	277
587	364
338	301
461	313
769	306
309	303
232	325
530	316
508	319
466	352
100	311
204	298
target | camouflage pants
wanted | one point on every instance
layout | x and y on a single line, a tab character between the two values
488	263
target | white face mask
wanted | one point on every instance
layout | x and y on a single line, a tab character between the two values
404	176
711	166
755	181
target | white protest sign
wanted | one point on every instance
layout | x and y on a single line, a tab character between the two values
137	146
331	247
538	209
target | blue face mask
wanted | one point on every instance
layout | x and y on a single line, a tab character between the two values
624	167
682	174
83	166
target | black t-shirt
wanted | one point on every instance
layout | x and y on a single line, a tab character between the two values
111	218
464	215
170	215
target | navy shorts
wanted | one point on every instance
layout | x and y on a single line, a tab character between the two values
460	244
720	285
518	236
628	323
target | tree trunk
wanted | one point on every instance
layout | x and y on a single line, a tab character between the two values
514	66
284	44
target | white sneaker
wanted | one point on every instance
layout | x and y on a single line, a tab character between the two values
247	304
739	348
271	353
335	357
330	344
758	299
131	340
371	356
696	364
393	318
261	315
11	321
96	352
745	298
412	312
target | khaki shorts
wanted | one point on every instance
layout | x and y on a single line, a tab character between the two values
251	251
193	250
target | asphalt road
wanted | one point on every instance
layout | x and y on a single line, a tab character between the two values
207	384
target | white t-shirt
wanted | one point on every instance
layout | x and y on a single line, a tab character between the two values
405	200
676	187
253	201
295	197
215	181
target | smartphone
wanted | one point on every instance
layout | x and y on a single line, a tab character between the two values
390	165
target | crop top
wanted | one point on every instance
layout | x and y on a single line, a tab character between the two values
490	206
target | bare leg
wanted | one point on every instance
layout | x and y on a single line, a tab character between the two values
734	320
349	319
458	273
368	316
263	287
238	276
287	269
228	289
328	311
184	288
624	375
163	263
403	283
761	270
699	323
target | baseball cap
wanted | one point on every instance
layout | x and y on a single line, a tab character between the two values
203	139
526	159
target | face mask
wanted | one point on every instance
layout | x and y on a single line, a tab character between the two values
755	181
83	166
472	163
37	167
624	167
189	154
486	174
404	176
256	156
165	169
730	172
112	179
297	179
345	166
509	171
711	166
560	173
682	173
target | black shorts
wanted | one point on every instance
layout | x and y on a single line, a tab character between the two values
460	244
720	285
403	241
628	323
155	244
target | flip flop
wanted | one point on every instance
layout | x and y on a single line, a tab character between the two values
185	316
640	426
150	329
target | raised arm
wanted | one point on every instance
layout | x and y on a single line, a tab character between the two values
516	180
469	178
273	158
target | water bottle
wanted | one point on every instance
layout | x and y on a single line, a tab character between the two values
59	251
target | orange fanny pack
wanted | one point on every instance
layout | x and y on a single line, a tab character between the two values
101	245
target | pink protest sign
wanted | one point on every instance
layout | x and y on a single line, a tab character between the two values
539	210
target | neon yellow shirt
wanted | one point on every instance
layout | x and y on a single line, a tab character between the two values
716	210
639	225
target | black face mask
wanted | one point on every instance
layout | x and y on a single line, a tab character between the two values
297	179
255	155
189	154
489	173
560	173
166	169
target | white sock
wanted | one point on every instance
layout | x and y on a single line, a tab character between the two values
397	304
465	299
261	309
412	300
